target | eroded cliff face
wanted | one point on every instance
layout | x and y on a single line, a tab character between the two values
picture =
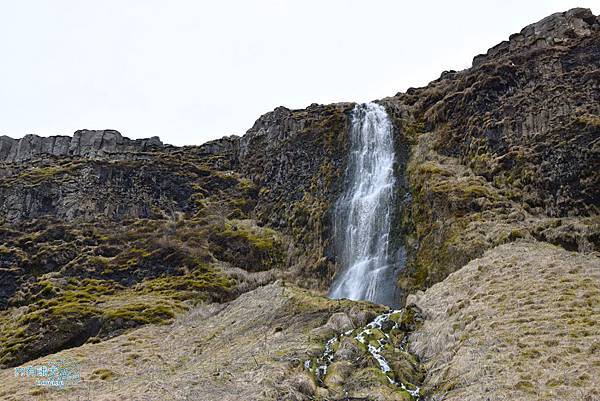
107	233
504	150
297	160
101	234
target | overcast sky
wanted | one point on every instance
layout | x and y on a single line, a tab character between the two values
190	71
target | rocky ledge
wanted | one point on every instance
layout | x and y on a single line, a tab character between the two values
556	29
83	143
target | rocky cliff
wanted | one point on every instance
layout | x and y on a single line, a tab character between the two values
143	224
497	194
505	149
84	143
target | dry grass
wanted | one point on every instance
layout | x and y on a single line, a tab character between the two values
522	322
252	348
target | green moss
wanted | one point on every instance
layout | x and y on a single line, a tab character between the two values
413	129
396	317
37	175
203	283
142	313
100	261
244	244
103	374
369	377
443	226
433	168
261	238
76	302
245	184
589	119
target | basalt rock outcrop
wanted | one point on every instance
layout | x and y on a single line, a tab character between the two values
84	143
100	235
505	149
297	160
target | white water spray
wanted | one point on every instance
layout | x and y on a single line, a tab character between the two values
362	214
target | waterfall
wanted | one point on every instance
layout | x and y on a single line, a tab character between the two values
362	213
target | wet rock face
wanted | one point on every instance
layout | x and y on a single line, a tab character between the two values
84	143
373	355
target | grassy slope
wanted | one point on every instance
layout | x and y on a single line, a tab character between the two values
522	322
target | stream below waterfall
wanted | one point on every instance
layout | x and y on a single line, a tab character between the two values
375	346
362	220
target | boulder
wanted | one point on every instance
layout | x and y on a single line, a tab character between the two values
340	322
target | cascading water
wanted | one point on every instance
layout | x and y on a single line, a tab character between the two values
375	348
362	214
362	231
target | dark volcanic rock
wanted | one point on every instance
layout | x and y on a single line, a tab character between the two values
297	160
91	190
527	111
514	136
84	143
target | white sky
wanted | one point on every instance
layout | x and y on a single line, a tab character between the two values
190	71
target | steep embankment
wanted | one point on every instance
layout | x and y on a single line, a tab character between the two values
520	323
253	348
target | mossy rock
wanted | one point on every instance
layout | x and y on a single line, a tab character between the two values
368	377
337	375
66	313
244	244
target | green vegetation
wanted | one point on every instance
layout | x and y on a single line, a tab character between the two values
243	242
88	280
80	309
589	119
196	285
446	217
109	279
36	175
103	374
263	239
